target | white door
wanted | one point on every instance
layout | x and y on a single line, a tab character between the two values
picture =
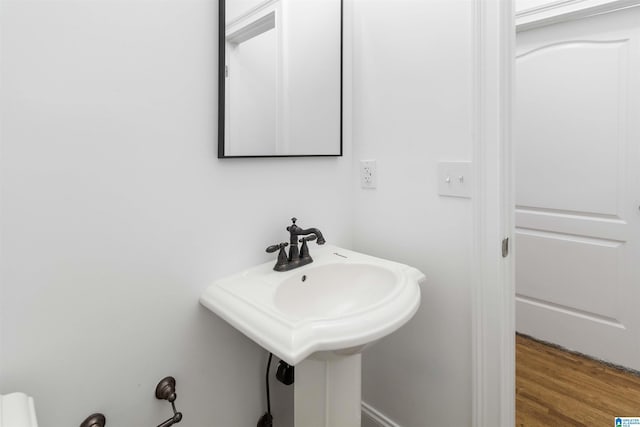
577	163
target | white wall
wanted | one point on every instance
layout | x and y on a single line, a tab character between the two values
412	107
116	214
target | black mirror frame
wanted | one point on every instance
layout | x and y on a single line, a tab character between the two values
221	88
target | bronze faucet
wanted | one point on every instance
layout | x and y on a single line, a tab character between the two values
296	258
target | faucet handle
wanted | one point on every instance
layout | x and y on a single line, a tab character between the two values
283	260
304	250
274	248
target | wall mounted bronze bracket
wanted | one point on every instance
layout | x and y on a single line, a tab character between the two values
94	420
165	390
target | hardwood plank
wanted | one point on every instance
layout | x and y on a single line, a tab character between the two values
555	387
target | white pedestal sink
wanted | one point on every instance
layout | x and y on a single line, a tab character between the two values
327	393
319	317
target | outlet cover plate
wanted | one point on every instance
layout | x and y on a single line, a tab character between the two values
454	179
368	174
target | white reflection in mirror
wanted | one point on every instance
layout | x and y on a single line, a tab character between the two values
282	77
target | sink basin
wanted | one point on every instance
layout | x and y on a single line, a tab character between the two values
333	290
341	302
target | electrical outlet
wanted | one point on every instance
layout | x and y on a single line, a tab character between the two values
368	174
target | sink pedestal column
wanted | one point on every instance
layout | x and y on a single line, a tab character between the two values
327	393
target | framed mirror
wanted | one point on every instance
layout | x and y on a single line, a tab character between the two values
280	78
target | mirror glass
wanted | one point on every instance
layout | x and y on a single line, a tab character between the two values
280	83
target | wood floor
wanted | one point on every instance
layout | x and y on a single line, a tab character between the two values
558	388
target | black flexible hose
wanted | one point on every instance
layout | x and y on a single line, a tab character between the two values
266	420
267	381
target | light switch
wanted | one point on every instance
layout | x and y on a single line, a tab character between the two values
454	179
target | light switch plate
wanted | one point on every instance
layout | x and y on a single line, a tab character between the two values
454	179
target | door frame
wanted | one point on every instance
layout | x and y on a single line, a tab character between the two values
492	281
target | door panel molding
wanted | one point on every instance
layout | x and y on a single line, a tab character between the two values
569	311
572	224
562	82
603	336
571	271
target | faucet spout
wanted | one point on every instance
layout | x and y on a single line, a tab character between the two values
305	232
295	231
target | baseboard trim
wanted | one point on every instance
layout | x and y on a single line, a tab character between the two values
377	417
